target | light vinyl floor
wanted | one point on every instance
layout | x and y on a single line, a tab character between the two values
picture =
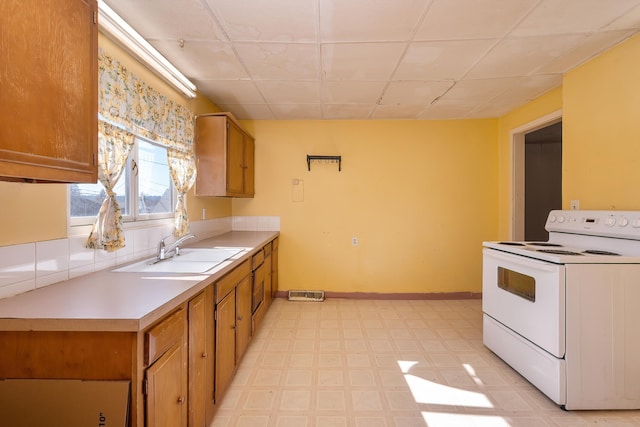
373	363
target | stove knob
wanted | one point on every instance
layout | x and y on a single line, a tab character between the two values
636	223
552	218
623	222
560	219
610	221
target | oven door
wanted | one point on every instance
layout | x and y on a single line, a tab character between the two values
527	296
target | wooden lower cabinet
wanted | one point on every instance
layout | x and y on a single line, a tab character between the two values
233	324
201	359
243	317
274	266
225	343
166	390
165	382
179	367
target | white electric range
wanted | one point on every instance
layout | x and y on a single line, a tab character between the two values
566	313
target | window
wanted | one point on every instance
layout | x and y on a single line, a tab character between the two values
144	191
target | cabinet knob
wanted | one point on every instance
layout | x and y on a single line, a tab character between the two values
239	317
205	355
181	400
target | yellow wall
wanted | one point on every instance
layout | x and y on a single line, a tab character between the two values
601	131
419	195
22	215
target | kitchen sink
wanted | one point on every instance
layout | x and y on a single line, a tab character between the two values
190	260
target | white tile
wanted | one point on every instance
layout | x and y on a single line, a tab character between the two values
17	263
105	259
80	257
12	289
52	262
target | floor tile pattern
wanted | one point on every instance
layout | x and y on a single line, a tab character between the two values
374	363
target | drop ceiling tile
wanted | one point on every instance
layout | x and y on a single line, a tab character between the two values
279	61
440	60
465	19
297	111
492	110
352	92
629	21
346	111
360	61
287	20
343	21
230	91
203	60
444	109
525	89
169	19
592	46
572	16
397	111
414	93
286	92
248	111
473	91
514	57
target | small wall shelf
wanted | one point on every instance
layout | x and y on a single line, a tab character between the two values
337	159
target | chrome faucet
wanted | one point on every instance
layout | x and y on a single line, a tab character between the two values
164	251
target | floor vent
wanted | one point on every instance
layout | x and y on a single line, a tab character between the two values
306	296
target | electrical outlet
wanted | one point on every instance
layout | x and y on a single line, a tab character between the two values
575	205
204	213
354	241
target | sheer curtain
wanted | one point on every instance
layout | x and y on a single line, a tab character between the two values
128	107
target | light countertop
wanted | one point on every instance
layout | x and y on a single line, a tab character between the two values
118	301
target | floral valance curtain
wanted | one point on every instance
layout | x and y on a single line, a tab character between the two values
127	104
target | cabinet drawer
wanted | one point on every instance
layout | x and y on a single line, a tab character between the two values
228	282
257	259
162	336
267	249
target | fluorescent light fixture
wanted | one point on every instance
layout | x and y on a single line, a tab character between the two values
116	28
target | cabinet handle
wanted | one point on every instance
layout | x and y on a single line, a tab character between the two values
181	400
239	317
205	355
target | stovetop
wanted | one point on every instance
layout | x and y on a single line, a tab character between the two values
609	237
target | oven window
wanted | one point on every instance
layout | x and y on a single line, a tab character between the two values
517	283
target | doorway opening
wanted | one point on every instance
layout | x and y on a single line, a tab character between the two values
537	176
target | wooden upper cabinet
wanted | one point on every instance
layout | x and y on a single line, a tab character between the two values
224	156
48	91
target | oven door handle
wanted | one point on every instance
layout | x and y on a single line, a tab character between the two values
520	260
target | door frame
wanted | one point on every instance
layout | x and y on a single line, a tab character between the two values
517	136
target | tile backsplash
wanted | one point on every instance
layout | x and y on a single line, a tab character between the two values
29	266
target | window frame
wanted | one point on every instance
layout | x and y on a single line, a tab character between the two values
134	219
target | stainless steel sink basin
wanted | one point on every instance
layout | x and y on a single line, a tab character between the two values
190	260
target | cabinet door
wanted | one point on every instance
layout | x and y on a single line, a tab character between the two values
199	341
243	316
268	292
274	268
167	390
49	87
225	343
249	166
235	159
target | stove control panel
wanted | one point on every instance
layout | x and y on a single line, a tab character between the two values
621	224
